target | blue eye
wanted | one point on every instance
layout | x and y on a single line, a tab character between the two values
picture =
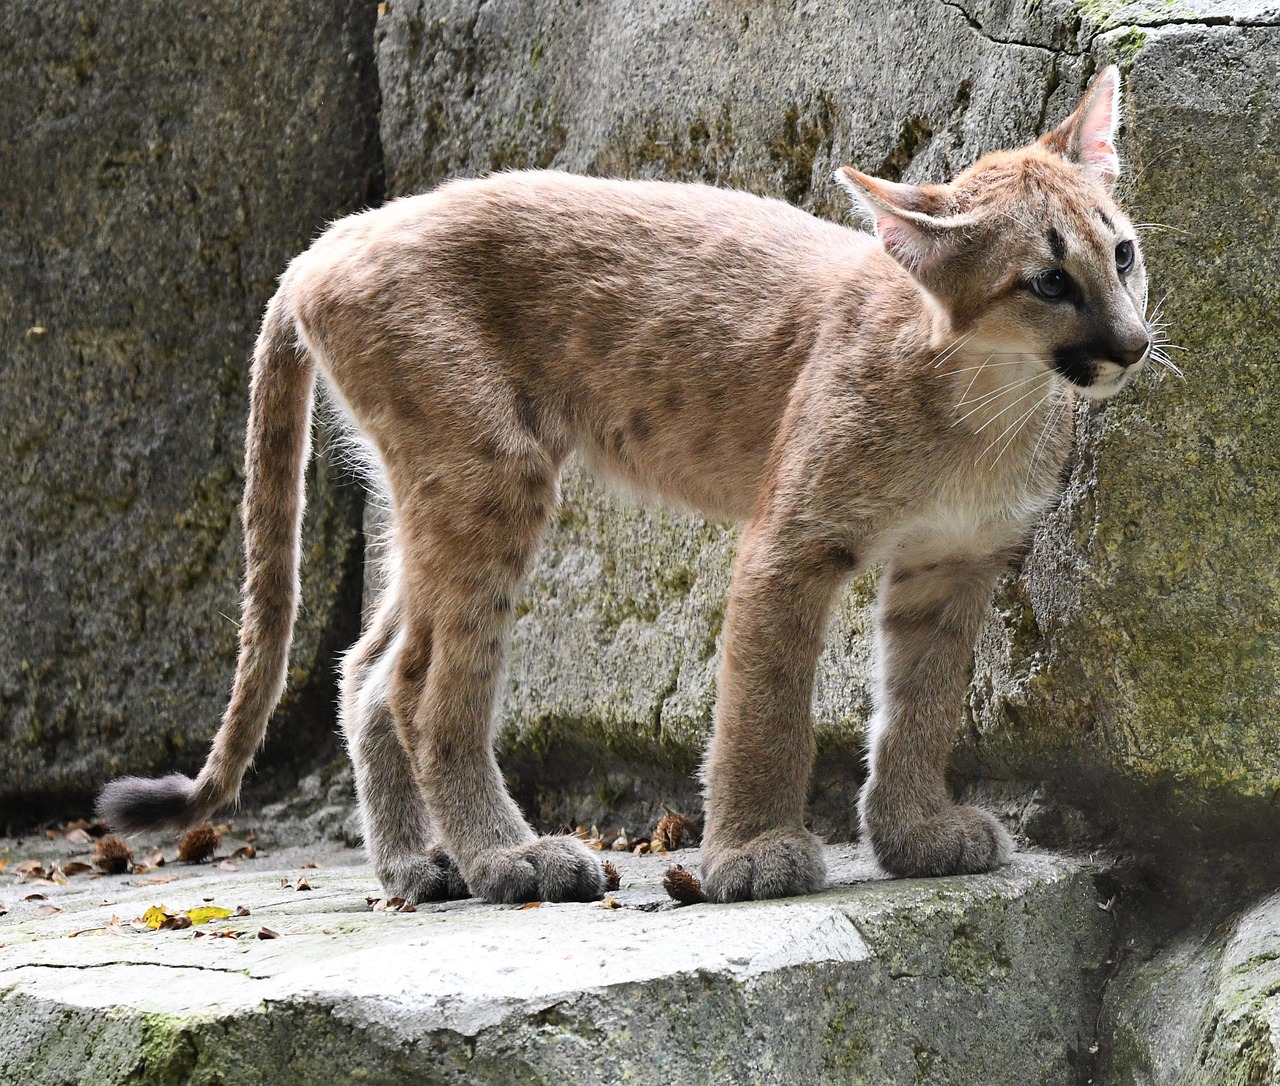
1124	256
1052	286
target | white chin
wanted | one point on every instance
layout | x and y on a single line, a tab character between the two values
1104	388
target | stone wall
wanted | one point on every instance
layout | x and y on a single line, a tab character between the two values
162	162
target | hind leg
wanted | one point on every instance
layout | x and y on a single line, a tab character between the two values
397	827
468	531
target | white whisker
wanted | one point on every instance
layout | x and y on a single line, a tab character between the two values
978	402
1020	424
947	352
1050	421
984	365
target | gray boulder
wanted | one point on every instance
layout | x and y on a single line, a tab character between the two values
162	163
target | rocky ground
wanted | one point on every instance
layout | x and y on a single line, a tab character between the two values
313	978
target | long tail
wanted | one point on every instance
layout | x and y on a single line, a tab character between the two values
277	445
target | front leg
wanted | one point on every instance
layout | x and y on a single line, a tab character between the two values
761	755
927	619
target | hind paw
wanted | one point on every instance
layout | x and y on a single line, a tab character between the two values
430	877
955	841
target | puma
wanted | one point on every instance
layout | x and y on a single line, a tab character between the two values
899	398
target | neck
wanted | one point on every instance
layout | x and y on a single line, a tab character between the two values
1000	395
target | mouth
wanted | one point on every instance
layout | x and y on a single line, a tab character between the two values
1095	378
1104	387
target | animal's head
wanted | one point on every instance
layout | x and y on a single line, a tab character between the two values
1027	250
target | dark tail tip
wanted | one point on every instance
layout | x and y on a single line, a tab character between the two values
138	803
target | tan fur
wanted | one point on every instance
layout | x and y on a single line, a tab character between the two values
854	399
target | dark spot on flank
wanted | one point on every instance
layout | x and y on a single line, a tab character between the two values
491	507
526	413
672	400
535	482
1057	246
640	427
702	444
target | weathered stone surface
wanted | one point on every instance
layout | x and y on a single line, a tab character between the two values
1141	640
1204	1011
161	164
987	980
1134	657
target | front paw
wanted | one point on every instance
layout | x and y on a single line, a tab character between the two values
432	877
548	869
779	863
955	841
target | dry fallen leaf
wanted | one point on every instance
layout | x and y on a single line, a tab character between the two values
35	897
609	902
48	909
620	843
78	836
302	884
530	905
241	910
226	865
244	852
267	933
30	867
176	923
205	913
113	928
154	916
76	868
312	866
683	886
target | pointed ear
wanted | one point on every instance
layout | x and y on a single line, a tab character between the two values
912	222
1088	136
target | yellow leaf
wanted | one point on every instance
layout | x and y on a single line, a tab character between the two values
208	912
155	916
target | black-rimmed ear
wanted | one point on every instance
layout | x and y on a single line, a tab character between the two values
912	222
1088	136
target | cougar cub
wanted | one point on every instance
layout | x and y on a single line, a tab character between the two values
896	399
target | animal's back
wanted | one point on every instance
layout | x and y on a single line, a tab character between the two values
653	325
